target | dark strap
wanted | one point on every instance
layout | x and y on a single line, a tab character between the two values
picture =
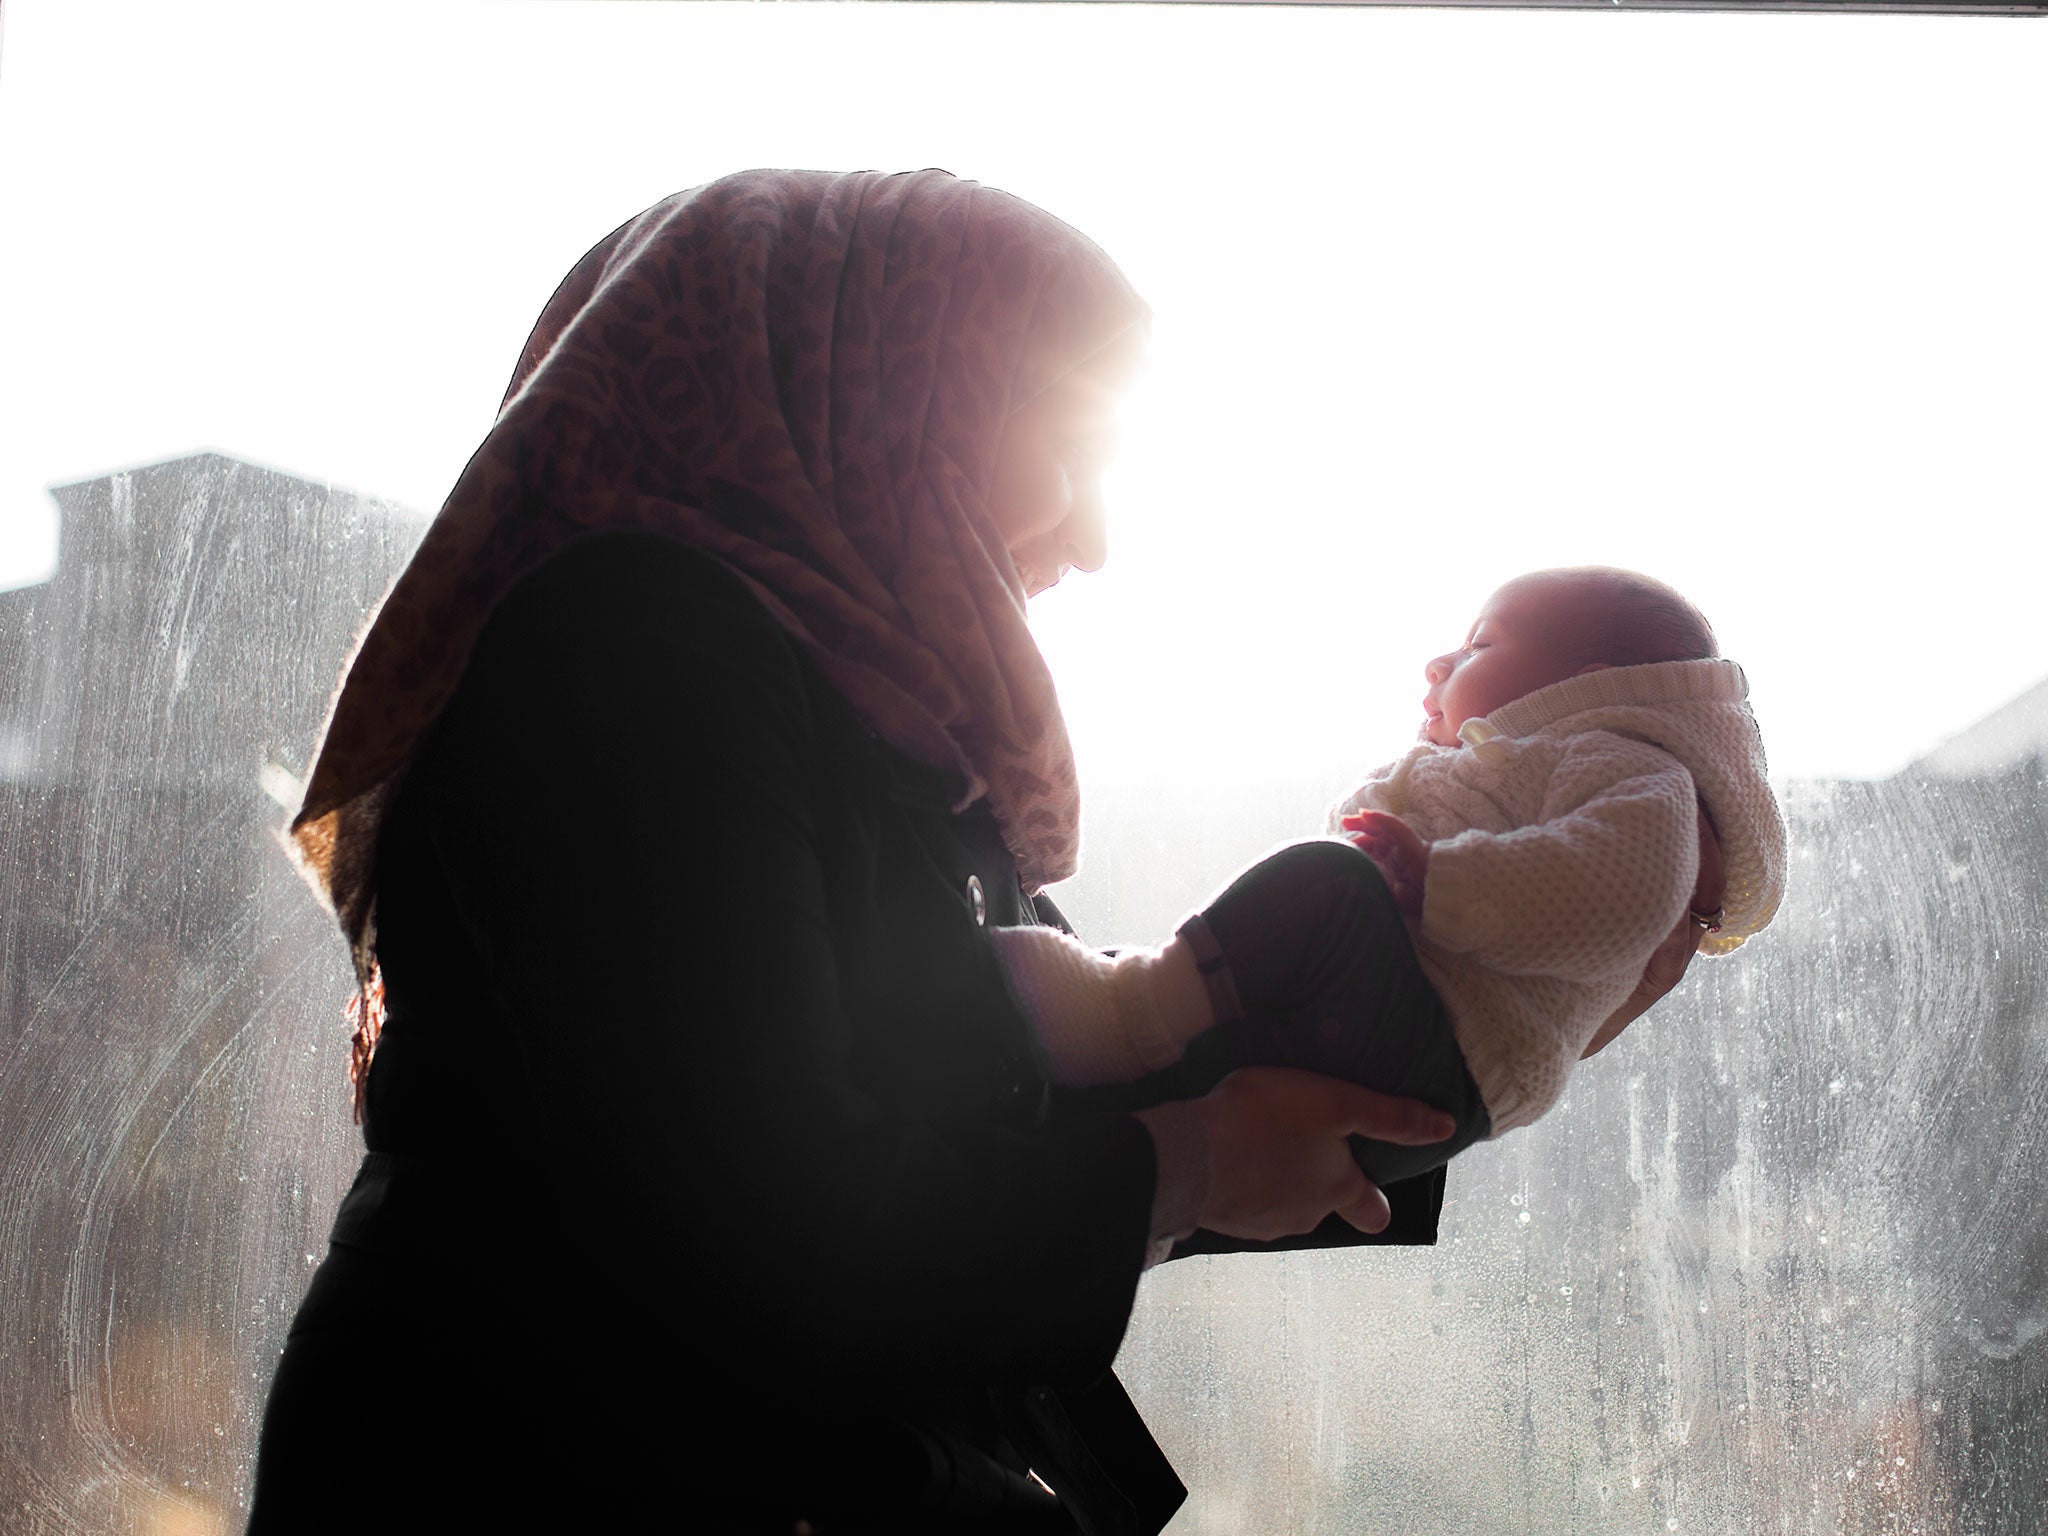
1215	968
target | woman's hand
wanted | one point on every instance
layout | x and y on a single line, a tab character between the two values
1402	856
1667	964
1279	1161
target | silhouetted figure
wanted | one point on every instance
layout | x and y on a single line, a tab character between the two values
712	1180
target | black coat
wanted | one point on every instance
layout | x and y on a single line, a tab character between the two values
713	1178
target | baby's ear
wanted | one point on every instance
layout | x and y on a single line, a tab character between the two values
1592	666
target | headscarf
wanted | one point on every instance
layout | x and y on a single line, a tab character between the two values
805	375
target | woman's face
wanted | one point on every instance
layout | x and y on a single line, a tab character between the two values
1045	496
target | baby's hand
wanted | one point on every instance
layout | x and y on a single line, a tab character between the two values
1402	856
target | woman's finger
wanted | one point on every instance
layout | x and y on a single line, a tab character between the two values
1369	1212
1357	1111
1711	887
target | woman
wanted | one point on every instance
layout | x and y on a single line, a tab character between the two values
711	1183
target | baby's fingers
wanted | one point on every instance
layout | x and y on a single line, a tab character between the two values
1374	842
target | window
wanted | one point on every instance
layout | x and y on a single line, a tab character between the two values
1750	302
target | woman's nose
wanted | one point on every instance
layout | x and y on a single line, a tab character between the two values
1084	536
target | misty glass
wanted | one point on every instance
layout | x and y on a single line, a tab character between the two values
1778	1267
1776	1264
174	1121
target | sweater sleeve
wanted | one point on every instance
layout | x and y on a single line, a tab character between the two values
626	812
1586	892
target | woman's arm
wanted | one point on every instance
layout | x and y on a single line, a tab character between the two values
626	806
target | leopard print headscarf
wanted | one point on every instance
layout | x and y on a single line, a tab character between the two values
807	376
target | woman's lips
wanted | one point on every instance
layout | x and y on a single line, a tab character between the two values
1035	583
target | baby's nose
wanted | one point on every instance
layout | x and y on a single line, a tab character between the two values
1436	669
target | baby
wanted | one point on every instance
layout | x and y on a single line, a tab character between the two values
1537	845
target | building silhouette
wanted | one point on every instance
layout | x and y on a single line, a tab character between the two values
174	1130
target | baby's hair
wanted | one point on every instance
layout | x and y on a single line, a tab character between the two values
1629	619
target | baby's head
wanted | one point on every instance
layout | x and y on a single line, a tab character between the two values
1547	626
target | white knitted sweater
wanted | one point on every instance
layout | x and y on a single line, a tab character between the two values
1563	848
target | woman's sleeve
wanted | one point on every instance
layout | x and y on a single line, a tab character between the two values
626	810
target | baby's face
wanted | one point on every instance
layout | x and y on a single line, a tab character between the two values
1519	643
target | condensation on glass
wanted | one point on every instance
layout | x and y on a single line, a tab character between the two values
174	1117
1776	1265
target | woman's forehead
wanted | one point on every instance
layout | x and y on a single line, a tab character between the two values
1094	389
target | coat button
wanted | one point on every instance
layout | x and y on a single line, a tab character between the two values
1021	1093
976	900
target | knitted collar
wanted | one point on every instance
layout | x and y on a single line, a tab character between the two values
1713	681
